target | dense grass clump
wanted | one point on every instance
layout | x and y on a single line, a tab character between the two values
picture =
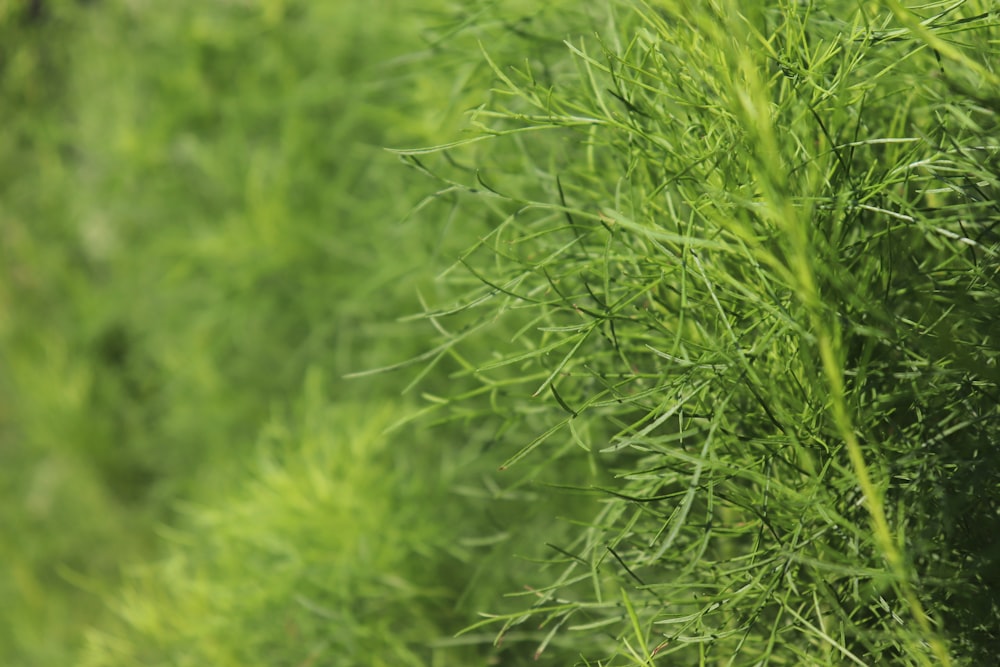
744	259
705	333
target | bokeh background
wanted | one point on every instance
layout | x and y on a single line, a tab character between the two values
200	234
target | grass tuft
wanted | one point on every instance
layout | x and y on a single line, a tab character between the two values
687	354
744	258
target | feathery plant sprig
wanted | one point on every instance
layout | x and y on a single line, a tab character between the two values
745	257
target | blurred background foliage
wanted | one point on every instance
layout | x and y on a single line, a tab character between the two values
196	214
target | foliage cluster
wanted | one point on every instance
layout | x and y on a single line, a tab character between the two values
706	345
747	260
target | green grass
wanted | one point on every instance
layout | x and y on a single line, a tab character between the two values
686	323
747	261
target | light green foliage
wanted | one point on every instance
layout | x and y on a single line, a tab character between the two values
196	209
330	553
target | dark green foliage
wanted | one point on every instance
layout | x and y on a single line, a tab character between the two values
748	261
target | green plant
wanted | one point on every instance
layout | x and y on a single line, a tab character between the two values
744	258
713	379
331	551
